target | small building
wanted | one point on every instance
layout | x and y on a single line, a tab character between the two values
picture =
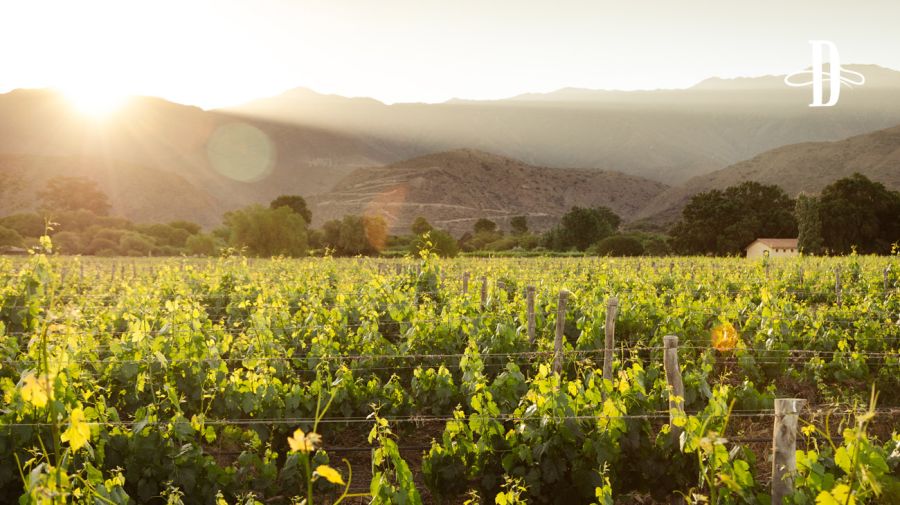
774	247
8	250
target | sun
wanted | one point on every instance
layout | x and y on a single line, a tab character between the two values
94	101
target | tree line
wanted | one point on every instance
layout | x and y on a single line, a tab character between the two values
852	214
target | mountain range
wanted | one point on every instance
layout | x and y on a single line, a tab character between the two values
642	153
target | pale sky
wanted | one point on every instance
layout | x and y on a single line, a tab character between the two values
222	52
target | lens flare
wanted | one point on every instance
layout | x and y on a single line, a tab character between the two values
724	337
241	152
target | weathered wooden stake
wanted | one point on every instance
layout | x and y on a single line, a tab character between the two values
465	283
784	447
887	272
483	292
112	273
80	272
673	378
612	307
837	285
529	304
560	329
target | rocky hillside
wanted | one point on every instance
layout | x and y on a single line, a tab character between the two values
453	189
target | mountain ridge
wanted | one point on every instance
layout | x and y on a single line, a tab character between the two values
453	189
805	167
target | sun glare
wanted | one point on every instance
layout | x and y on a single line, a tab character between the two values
95	102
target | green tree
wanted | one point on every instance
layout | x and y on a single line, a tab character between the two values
67	194
519	225
331	234
618	245
581	227
442	243
135	244
191	228
856	211
10	237
809	224
267	232
484	225
68	242
26	225
420	226
724	222
165	234
202	244
294	202
355	235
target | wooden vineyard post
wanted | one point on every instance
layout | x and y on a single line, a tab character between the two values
560	329
529	311
112	273
465	283
81	272
612	307
887	273
673	378
784	447
483	292
837	284
133	270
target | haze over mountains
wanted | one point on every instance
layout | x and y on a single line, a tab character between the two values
160	161
666	135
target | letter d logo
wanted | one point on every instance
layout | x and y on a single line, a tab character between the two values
835	78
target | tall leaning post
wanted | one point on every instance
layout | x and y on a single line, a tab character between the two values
529	313
837	284
887	275
465	283
673	378
484	289
560	331
784	447
612	308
